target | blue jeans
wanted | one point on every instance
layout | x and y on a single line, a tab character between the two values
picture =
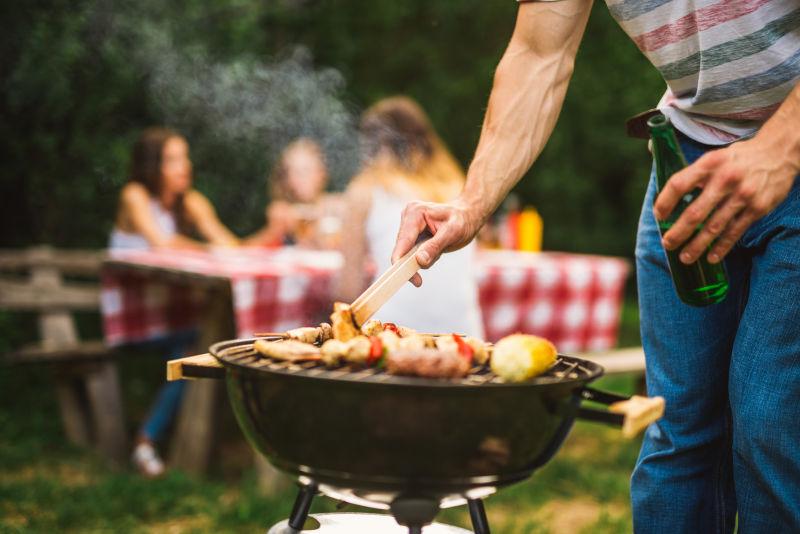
730	373
169	396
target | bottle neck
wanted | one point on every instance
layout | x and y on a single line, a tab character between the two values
667	153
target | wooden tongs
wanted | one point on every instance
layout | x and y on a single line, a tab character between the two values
386	285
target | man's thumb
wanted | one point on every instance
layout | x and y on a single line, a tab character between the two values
430	250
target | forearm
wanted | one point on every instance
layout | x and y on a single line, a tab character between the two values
219	235
180	241
213	231
529	89
266	236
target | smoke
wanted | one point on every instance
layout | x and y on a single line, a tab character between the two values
246	108
258	105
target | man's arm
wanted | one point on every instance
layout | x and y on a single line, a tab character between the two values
742	182
529	88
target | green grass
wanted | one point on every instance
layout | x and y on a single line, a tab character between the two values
49	486
629	335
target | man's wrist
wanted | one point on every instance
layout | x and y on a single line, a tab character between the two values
781	143
476	208
780	135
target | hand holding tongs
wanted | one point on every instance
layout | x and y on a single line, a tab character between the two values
386	284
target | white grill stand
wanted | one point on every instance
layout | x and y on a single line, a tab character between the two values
352	523
410	515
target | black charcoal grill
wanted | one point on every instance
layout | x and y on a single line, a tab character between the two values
409	445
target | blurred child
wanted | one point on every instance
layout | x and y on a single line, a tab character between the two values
405	160
300	212
159	208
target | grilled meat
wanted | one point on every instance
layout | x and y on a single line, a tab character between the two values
412	342
405	332
333	351
390	340
356	350
288	349
307	334
430	363
344	328
325	332
481	349
373	327
446	343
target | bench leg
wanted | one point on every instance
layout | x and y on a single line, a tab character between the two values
194	435
270	480
71	404
105	403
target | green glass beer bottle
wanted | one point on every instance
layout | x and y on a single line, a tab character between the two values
700	283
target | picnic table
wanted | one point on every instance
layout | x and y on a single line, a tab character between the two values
221	293
572	299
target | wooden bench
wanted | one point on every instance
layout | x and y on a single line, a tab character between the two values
86	381
618	361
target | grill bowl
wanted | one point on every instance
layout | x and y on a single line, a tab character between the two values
368	437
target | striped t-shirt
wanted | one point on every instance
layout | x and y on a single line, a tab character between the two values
728	64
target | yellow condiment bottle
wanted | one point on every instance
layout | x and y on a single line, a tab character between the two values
530	230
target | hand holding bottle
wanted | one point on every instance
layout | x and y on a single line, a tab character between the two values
740	184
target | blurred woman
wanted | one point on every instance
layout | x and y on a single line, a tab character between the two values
300	212
405	160
159	208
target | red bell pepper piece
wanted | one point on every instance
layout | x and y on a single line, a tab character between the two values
464	349
392	327
375	350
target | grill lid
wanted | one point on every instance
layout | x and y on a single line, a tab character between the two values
240	354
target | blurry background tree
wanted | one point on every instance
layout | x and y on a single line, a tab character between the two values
82	78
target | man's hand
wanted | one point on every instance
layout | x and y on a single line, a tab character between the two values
453	226
741	183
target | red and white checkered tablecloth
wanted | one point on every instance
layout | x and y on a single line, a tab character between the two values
144	295
573	300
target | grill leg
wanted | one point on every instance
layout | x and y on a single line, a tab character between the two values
414	530
302	505
480	525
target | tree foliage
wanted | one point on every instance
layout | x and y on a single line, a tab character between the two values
82	78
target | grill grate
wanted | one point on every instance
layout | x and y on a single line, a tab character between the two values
241	354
